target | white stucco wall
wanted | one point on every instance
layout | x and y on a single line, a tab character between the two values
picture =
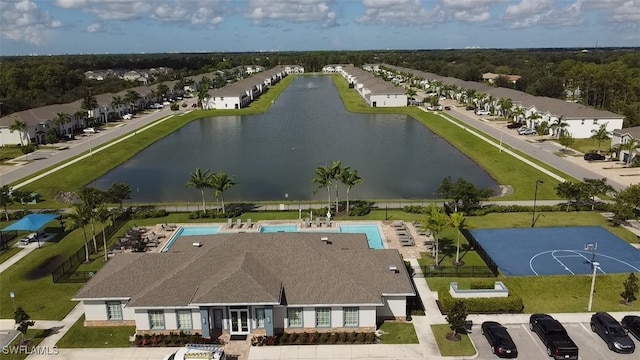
393	100
225	102
581	129
96	310
12	138
393	306
367	316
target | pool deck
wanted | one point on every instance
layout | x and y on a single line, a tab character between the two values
389	234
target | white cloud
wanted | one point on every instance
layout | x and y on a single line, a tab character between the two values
396	12
318	11
22	20
95	27
530	13
626	12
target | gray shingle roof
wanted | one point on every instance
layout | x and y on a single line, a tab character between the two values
254	268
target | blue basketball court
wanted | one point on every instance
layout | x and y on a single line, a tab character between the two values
557	251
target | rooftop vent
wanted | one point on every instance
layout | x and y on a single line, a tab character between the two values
325	240
393	268
197	244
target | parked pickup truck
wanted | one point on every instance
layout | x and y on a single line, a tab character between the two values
554	337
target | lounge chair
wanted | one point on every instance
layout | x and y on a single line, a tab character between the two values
407	242
239	223
328	222
249	224
398	224
318	223
230	223
307	223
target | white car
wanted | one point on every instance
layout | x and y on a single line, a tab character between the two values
127	116
156	106
166	103
482	112
89	130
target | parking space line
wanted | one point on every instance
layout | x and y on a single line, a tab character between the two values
535	341
592	335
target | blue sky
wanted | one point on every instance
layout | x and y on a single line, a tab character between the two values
146	26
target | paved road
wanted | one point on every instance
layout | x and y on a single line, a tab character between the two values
536	151
82	144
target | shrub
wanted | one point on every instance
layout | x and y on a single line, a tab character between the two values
284	338
360	208
511	304
370	338
148	212
324	338
481	285
333	338
412	209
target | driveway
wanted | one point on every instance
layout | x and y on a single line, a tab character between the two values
530	347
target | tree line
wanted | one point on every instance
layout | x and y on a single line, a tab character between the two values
607	79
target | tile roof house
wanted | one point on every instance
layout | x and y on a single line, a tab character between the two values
621	137
251	284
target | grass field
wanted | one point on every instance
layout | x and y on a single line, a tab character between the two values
80	336
398	333
464	347
36	336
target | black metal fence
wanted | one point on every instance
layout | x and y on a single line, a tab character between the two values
6	237
457	271
66	272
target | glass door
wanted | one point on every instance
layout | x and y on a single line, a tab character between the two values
239	321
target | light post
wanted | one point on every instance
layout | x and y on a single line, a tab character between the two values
286	200
595	266
13	300
535	198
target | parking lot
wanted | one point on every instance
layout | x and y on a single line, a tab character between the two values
590	345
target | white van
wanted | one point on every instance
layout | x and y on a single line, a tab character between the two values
483	112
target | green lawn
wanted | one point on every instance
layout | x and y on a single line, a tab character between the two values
588	145
80	336
36	336
398	333
8	253
464	347
9	152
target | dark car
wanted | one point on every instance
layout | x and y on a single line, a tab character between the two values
612	333
632	324
499	339
470	107
447	107
554	337
515	125
593	156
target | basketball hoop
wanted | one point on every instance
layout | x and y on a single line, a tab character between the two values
591	247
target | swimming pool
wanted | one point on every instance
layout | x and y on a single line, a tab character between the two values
372	231
190	231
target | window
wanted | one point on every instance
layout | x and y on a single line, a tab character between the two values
260	318
184	319
114	310
350	316
156	319
582	122
323	317
217	318
295	317
595	121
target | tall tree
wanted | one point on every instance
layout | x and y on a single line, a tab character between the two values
132	97
21	127
323	179
436	221
573	192
60	119
23	320
595	187
601	134
631	289
559	126
79	218
566	140
335	168
221	182
456	317
6	199
200	180
542	129
631	147
116	101
118	192
458	222
92	198
349	179
89	102
104	216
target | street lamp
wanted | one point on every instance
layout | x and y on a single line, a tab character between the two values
595	266
535	198
13	300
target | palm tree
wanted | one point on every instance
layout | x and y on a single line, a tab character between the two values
505	107
5	199
79	218
116	101
559	126
532	119
118	192
542	129
200	180
335	169
89	103
517	113
61	119
436	221
19	126
601	134
457	221
349	179
203	93
631	147
162	89
132	97
104	216
221	182
323	179
92	198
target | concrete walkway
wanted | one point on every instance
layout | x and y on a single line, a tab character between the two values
26	250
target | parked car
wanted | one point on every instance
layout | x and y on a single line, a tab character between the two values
127	116
526	131
447	107
515	125
554	337
483	112
156	106
631	323
612	333
499	339
593	156
470	108
89	130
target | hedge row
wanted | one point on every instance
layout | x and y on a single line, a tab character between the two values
599	206
172	339
511	304
315	338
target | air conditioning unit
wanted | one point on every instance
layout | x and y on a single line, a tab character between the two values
393	268
197	244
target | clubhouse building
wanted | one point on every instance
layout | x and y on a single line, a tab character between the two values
251	283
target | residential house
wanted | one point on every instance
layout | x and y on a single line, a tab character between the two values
251	283
621	137
375	91
491	77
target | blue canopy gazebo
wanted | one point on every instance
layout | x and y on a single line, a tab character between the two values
32	222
